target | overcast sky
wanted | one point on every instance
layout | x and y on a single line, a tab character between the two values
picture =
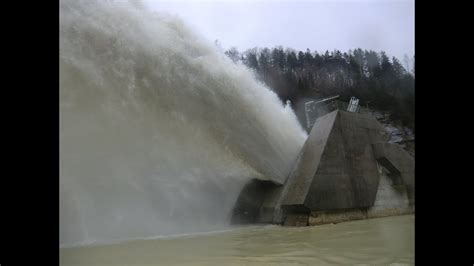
386	25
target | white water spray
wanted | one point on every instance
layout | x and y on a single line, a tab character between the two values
158	130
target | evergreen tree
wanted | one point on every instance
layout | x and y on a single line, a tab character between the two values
233	54
372	77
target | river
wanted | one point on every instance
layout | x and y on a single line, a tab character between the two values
380	241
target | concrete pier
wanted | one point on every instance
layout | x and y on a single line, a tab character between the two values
345	171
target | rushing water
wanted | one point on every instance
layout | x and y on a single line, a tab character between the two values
380	241
159	130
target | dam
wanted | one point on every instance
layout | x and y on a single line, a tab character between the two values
165	142
346	170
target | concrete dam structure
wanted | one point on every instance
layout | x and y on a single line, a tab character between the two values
346	170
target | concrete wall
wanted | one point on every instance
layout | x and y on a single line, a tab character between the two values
399	163
391	199
302	175
345	171
347	175
336	216
337	169
250	201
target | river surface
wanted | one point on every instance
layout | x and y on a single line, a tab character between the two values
380	241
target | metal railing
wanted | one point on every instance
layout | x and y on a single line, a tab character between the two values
314	110
343	106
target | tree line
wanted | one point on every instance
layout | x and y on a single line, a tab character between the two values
381	82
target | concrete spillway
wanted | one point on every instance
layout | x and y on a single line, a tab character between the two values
346	170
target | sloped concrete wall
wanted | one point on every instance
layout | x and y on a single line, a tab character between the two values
337	169
390	200
302	175
347	174
332	186
337	176
347	184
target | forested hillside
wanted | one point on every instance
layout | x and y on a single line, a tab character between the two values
380	82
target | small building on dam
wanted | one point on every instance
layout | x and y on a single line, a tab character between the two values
346	170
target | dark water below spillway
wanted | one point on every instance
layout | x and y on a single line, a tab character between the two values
380	241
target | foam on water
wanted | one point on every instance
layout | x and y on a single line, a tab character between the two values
158	130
